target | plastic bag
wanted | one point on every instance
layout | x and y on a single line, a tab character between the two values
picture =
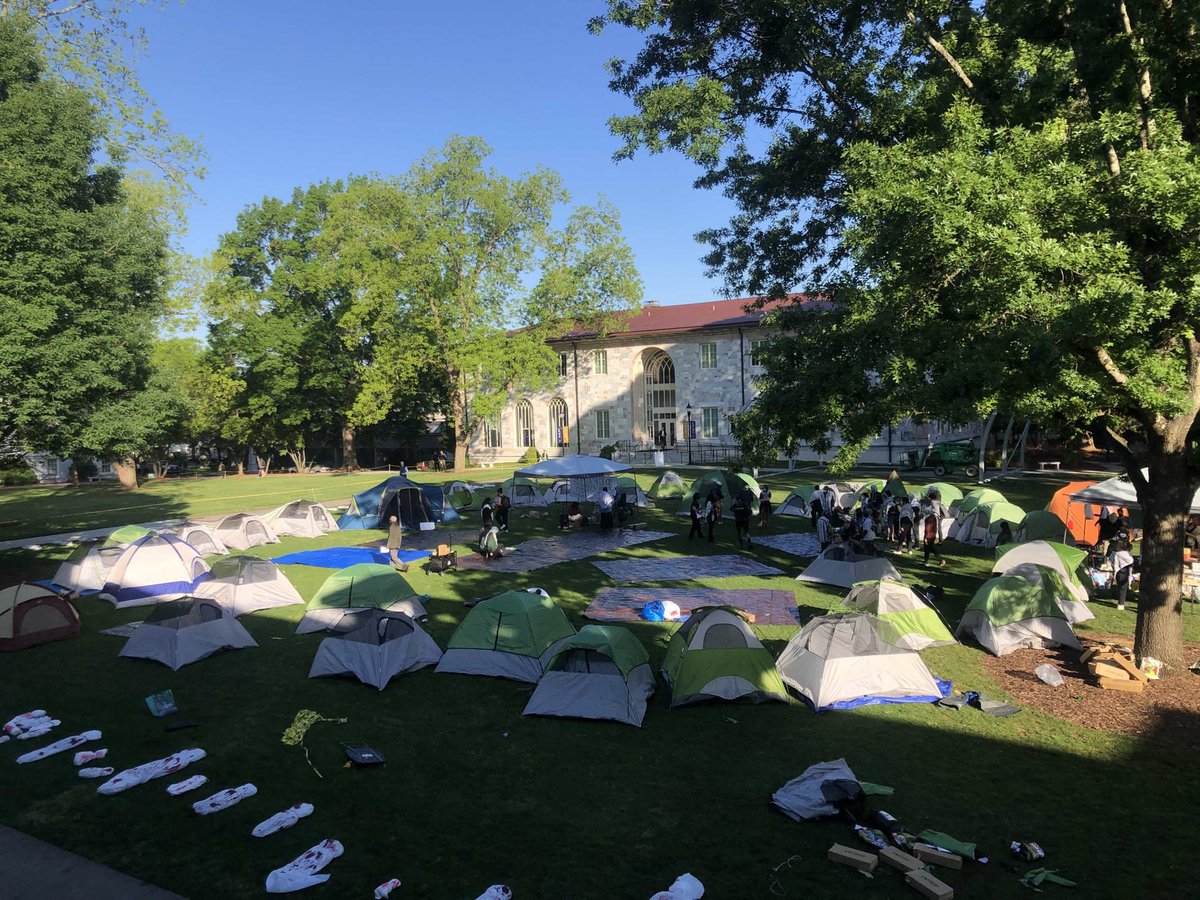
1049	674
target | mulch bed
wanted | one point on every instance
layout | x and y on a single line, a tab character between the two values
1167	711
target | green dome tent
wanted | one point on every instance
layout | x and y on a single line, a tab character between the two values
359	587
714	655
904	618
1039	524
892	483
730	484
667	485
1010	612
1058	556
797	502
977	498
512	635
982	524
948	493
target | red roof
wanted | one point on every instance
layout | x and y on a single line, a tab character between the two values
712	314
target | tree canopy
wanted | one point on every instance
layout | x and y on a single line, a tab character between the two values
992	205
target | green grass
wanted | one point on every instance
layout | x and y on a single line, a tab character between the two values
473	793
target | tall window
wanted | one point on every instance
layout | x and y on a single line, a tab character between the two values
710	422
491	434
599	362
660	399
757	349
603	428
558	422
708	356
524	419
562	364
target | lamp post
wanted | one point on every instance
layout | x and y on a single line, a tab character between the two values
689	432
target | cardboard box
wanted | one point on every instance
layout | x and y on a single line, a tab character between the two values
1128	666
1106	669
929	886
930	854
848	856
1118	684
898	859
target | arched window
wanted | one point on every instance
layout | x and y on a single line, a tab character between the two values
558	422
660	399
524	419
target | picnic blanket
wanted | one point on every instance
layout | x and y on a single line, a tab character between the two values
625	604
344	557
793	542
681	568
538	554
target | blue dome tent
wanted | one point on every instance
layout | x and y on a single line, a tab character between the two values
410	502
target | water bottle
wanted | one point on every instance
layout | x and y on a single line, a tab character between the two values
889	825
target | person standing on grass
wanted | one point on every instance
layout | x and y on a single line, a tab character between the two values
743	508
604	505
503	505
486	513
403	469
394	541
931	531
764	507
905	513
1122	571
824	531
697	517
711	514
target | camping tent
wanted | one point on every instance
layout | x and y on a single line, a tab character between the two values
714	655
185	631
359	587
666	486
797	502
948	493
843	566
627	485
843	661
152	569
1039	524
379	646
730	483
892	483
981	525
904	618
1010	612
31	614
244	584
976	498
603	672
1085	531
523	492
573	465
202	538
241	531
409	502
86	569
464	494
1063	559
1071	597
301	518
512	635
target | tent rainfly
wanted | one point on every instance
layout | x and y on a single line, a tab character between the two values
1010	612
31	614
463	494
1063	559
904	618
512	635
356	588
893	483
379	646
843	566
668	485
301	518
1071	598
982	524
1041	524
798	502
245	584
947	493
181	632
843	661
409	502
152	569
975	498
86	570
603	672
202	538
714	655
241	531
1086	531
730	484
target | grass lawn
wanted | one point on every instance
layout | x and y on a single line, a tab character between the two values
474	794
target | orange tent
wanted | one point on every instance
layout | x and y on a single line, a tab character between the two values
1085	531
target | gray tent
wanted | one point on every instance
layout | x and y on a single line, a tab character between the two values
844	566
512	635
603	672
202	538
379	646
244	584
179	632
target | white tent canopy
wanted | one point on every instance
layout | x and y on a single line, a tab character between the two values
152	569
841	566
574	466
1119	491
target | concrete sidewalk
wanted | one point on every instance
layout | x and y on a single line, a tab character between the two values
35	870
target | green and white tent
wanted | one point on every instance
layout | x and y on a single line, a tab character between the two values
1010	612
603	672
512	635
981	526
730	483
668	485
842	566
892	483
1040	524
798	502
714	655
356	588
948	493
524	492
976	498
1054	554
904	618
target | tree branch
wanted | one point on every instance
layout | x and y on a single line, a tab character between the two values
941	50
1137	46
1110	366
51	13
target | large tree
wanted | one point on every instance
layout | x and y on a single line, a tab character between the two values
459	269
998	203
81	269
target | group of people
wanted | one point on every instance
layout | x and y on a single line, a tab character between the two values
908	522
744	504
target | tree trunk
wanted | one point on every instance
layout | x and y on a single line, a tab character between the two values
127	474
264	464
1165	502
300	458
462	433
349	455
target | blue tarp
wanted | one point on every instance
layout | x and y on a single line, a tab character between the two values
943	685
344	557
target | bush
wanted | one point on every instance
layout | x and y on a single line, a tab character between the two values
13	475
531	456
608	451
86	468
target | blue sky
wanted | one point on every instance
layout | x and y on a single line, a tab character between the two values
286	92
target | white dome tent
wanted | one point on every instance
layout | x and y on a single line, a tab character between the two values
152	569
246	584
202	538
185	631
301	518
379	646
242	531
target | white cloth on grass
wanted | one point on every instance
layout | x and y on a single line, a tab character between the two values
282	820
188	784
224	799
302	871
24	721
96	773
385	889
87	756
496	892
686	887
44	727
168	765
69	743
